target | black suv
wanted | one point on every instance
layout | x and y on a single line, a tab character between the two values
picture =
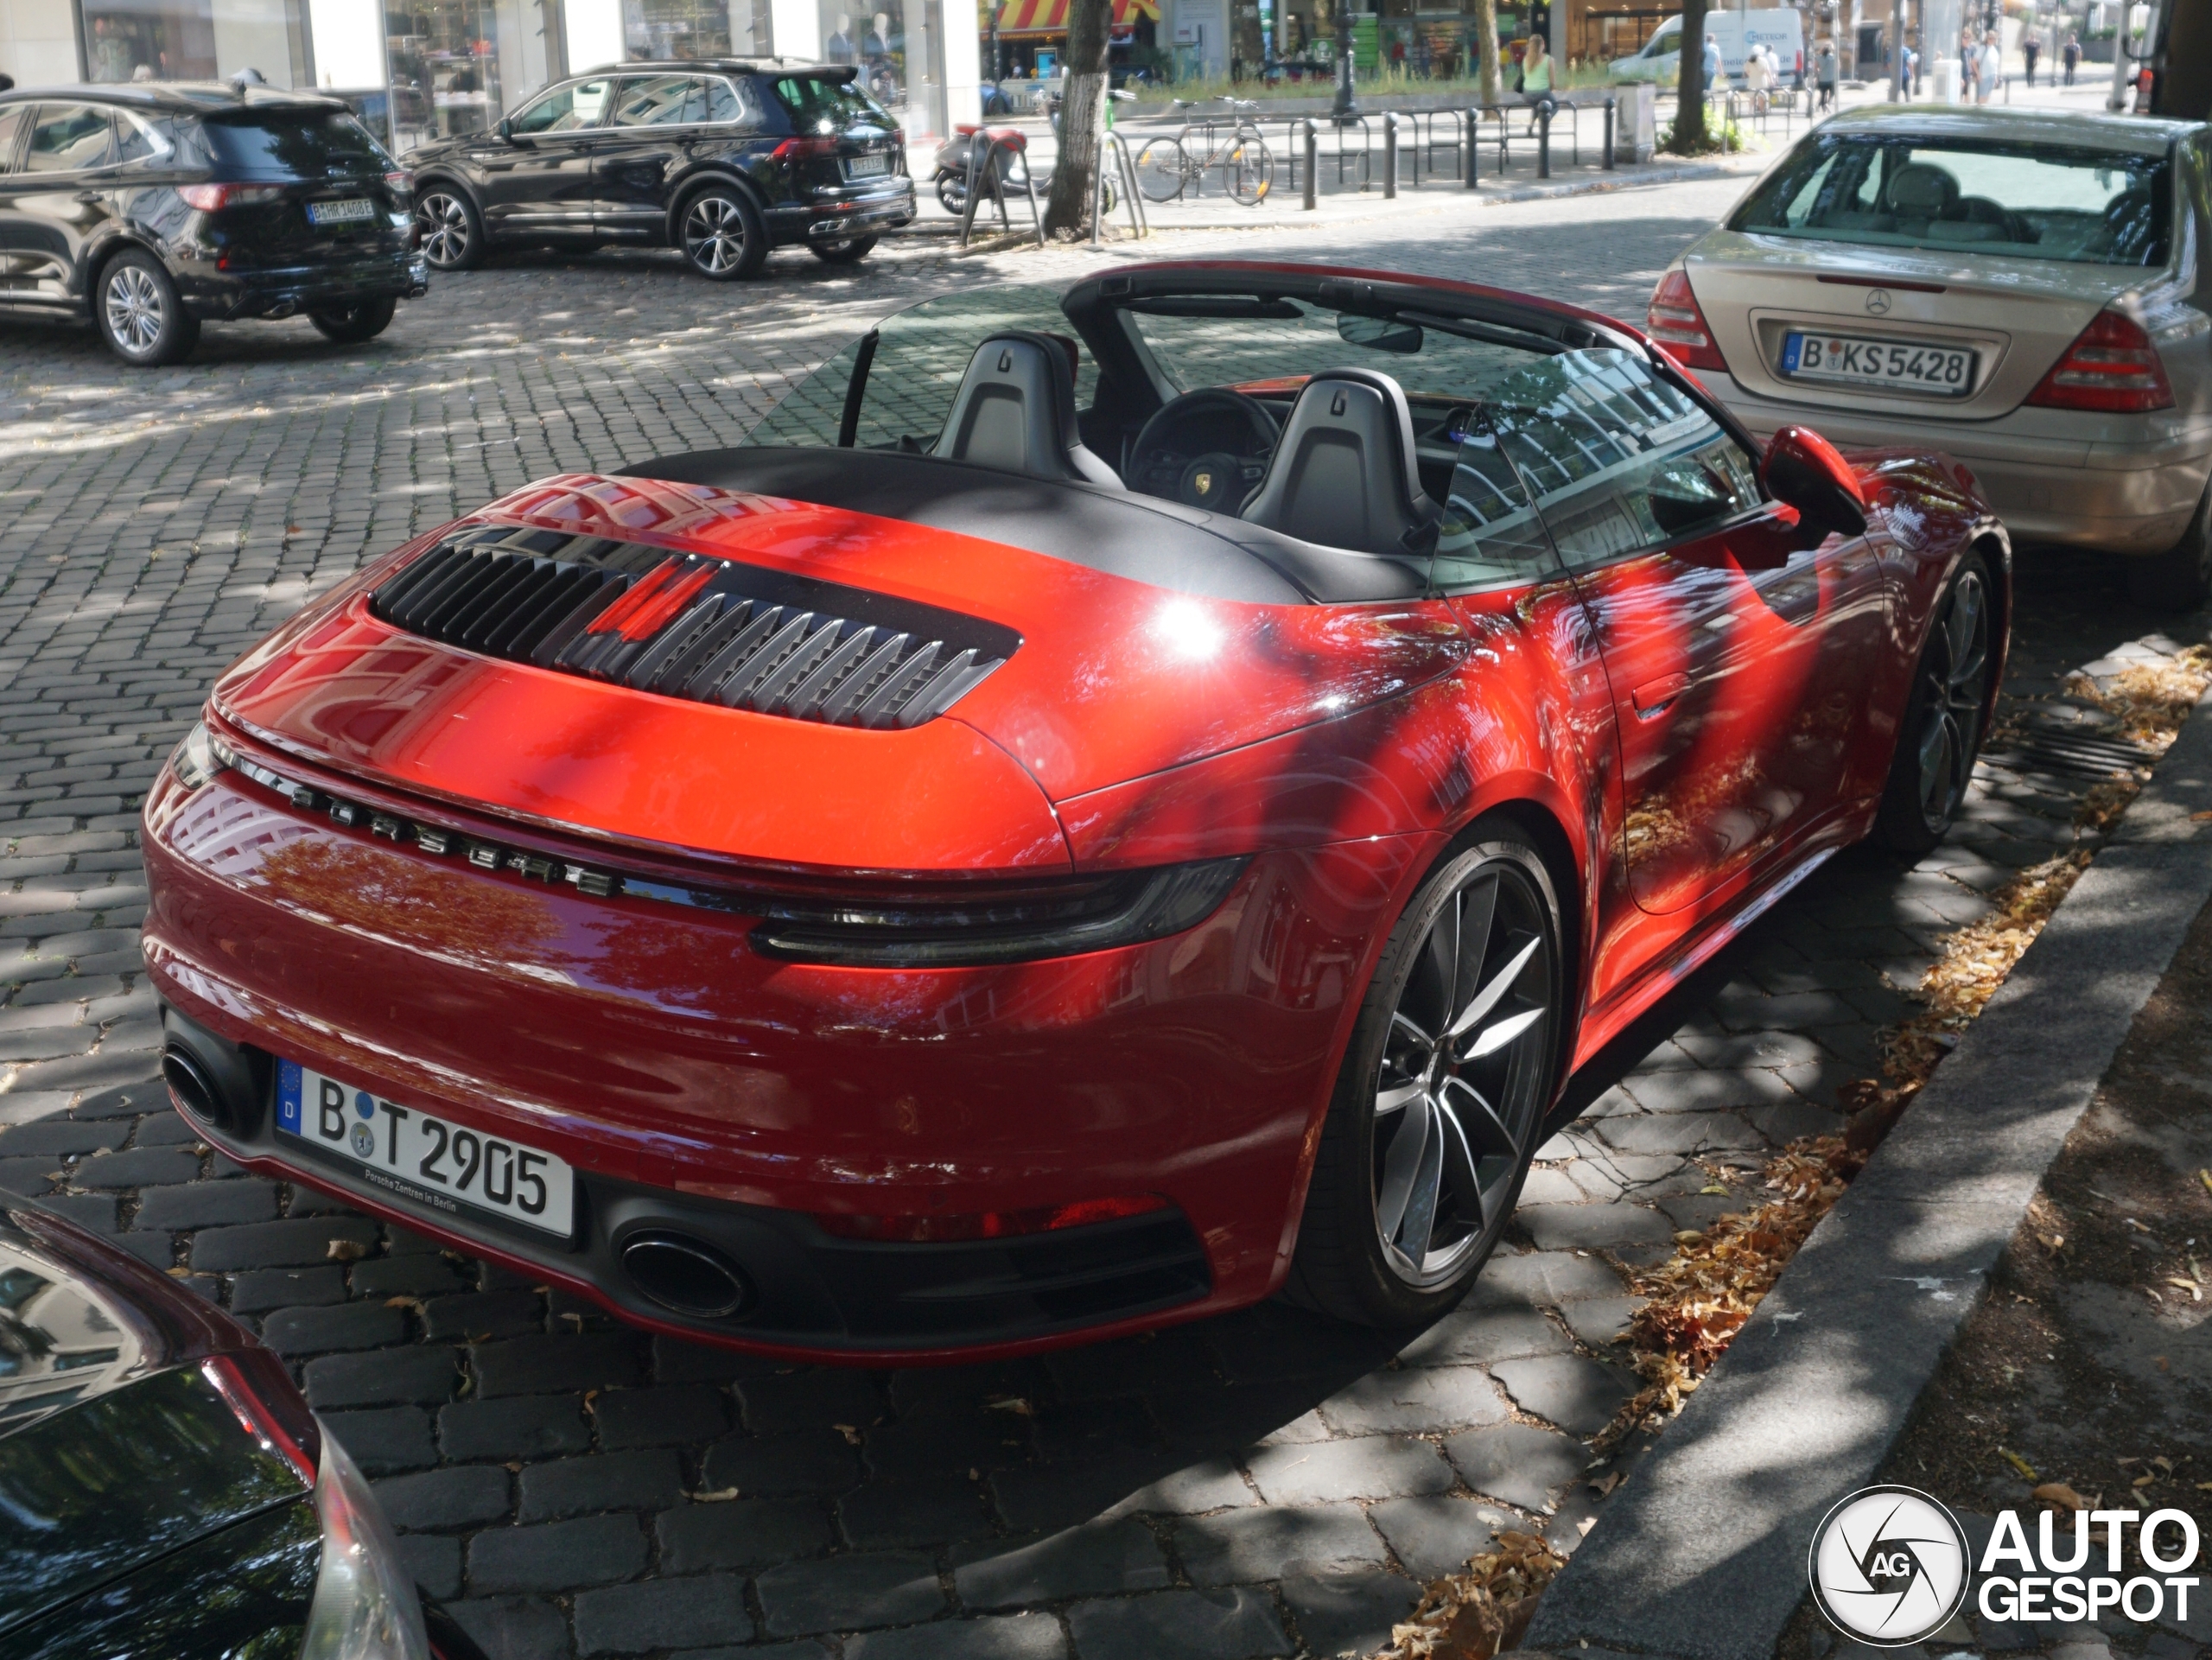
722	159
150	207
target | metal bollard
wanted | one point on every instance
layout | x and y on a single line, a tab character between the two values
1312	166
1390	155
1544	139
1474	120
1609	134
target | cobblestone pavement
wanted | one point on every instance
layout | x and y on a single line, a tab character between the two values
1267	1483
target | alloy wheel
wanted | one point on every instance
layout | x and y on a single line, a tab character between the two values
136	309
1954	687
714	235
444	221
1461	1082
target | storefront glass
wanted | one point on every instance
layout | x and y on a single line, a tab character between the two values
898	49
684	29
193	40
458	65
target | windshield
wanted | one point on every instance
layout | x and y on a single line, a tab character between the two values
829	106
306	143
2089	207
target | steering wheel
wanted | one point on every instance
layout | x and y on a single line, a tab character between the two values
1217	479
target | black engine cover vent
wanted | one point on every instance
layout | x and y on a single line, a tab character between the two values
689	626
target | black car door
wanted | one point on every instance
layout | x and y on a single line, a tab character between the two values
642	149
535	175
59	202
14	265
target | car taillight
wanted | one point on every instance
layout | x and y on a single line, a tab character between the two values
401	182
260	1393
987	1224
214	198
801	148
2112	367
1675	322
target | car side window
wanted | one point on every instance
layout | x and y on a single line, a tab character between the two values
1491	536
136	141
565	109
1618	459
11	132
70	139
660	101
734	104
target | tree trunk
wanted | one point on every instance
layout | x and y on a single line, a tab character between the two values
1689	101
1487	83
1083	120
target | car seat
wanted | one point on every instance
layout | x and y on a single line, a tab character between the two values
1015	411
1346	472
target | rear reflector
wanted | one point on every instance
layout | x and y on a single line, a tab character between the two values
1679	326
268	1406
2112	368
988	1225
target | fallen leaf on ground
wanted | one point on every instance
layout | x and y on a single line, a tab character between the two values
1013	1403
2059	1495
1483	1611
347	1250
852	1435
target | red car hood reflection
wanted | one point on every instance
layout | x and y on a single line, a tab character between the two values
1113	680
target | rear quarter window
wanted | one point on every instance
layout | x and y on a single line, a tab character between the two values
816	105
292	145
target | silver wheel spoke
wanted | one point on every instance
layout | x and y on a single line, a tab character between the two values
1398	1097
1461	1168
1487	997
1402	1164
1444	951
1406	1028
1419	1227
1492	1126
1491	1039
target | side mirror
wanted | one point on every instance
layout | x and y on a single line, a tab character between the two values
1803	469
506	130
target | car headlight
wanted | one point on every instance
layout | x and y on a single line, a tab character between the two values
1064	918
199	757
366	1607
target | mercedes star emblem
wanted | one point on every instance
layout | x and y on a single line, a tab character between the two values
1877	302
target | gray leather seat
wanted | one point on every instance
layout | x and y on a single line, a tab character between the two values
1016	412
1345	473
1920	194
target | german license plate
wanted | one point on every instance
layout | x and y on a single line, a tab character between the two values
421	1157
340	212
1892	366
868	167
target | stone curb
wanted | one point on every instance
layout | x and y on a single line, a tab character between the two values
1701	1556
1409	202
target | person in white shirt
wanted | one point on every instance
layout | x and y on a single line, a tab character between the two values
1992	70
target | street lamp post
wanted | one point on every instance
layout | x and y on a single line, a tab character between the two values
1346	104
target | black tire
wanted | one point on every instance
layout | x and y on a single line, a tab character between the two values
452	231
952	192
2180	579
1474	1099
140	315
849	252
349	325
721	233
1944	718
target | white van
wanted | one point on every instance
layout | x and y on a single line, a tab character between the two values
1660	59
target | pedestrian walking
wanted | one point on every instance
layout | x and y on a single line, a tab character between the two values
1535	78
1824	74
1908	68
1711	61
2070	56
1757	78
2031	49
1991	69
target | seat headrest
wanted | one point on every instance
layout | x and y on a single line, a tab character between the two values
1346	472
1015	411
1921	191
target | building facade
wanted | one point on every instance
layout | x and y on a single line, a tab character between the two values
443	67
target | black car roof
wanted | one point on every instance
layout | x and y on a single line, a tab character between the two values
839	72
177	97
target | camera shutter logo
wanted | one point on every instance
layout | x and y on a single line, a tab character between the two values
1889	1567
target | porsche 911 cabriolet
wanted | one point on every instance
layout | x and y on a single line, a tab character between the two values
1115	802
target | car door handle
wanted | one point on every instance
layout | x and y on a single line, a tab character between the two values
89	197
1654	695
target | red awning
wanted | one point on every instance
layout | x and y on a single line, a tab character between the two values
1042	17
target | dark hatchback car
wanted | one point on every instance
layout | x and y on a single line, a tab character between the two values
165	1493
722	159
148	209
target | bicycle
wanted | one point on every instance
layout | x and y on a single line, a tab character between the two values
1166	168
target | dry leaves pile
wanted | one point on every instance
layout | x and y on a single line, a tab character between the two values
1483	1611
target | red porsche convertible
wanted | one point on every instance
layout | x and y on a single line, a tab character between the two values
1114	804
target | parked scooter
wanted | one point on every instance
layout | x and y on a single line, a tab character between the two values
1009	162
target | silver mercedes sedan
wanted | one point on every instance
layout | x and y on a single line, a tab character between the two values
2028	290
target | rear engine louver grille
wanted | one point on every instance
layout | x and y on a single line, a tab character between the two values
689	626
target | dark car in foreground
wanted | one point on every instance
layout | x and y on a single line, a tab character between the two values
724	160
165	1493
149	209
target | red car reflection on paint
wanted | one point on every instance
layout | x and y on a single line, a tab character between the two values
1116	803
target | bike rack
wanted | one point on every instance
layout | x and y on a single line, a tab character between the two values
1390	155
1474	117
990	173
1607	164
1312	146
1126	168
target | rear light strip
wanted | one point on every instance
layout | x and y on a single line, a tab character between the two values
260	1394
2112	367
986	1224
1675	321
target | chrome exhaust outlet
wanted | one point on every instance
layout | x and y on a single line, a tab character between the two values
191	1088
685	1276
